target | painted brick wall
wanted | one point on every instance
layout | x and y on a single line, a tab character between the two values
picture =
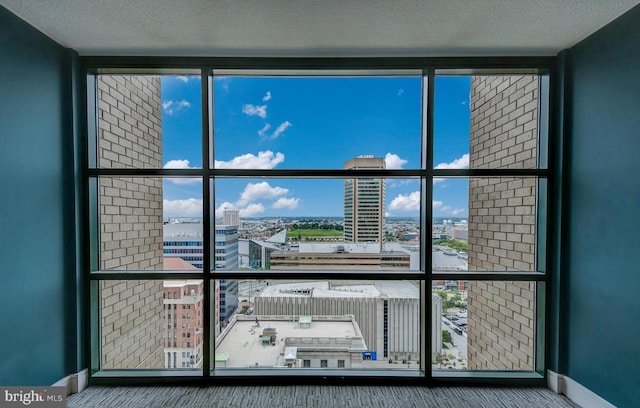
501	321
130	120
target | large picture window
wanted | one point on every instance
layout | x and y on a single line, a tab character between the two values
317	222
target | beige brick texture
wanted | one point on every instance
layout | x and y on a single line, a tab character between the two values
504	114
130	120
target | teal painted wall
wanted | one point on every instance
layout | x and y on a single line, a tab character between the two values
600	310
36	207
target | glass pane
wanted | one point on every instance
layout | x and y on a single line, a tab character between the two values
149	121
299	324
144	227
484	224
486	121
484	325
317	224
316	122
151	324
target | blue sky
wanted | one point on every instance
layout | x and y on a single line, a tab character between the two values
305	123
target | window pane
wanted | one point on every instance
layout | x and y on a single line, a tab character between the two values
486	121
316	122
151	324
493	231
149	121
484	325
346	324
143	228
317	224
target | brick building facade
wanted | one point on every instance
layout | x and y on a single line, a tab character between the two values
130	136
504	117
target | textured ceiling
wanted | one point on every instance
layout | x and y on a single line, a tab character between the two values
318	28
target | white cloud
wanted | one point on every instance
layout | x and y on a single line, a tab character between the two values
177	164
280	129
387	214
262	132
255	110
457	211
253	192
223	81
288	203
403	202
395	183
446	208
436	204
460	163
173	107
190	207
183	78
251	210
393	161
264	160
181	164
266	97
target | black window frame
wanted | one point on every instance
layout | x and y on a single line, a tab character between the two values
92	66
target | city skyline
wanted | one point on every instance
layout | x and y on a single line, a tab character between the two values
319	123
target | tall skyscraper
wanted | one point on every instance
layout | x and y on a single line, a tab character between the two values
364	202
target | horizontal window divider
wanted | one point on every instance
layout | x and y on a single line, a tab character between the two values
302	372
259	376
325	173
128	172
490	275
153	275
125	64
320	275
255	274
490	172
328	72
148	373
442	377
335	173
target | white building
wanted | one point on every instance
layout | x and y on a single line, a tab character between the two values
285	342
387	312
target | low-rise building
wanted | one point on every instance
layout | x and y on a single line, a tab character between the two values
272	341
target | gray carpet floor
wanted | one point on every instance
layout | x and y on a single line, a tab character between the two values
316	396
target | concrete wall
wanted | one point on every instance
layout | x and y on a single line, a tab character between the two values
502	222
129	112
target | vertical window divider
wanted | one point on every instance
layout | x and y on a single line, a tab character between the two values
207	190
427	207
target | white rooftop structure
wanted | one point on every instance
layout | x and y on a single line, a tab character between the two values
333	247
279	238
391	289
242	344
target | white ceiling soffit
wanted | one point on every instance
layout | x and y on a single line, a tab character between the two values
318	28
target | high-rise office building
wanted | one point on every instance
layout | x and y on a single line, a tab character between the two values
364	202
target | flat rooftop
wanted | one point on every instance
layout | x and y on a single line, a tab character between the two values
241	340
391	289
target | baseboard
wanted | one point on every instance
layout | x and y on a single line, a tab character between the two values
575	391
74	383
